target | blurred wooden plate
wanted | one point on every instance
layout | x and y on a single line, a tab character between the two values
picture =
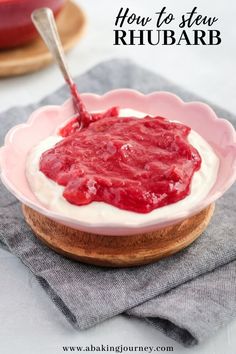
35	55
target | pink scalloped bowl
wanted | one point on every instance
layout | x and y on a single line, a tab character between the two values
219	133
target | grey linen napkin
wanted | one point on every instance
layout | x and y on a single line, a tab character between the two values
187	296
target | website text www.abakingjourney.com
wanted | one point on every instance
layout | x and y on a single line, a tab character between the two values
117	348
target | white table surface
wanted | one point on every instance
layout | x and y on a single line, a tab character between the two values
30	323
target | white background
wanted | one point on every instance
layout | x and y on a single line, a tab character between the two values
29	321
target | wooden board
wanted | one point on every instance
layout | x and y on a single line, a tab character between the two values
35	55
117	251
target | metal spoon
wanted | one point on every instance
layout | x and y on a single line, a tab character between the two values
44	22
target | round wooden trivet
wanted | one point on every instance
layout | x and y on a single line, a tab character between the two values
35	55
117	251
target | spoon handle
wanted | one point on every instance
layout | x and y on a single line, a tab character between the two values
43	20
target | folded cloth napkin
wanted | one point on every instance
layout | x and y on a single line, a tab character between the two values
188	296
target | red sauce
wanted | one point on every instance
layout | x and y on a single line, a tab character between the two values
133	164
82	115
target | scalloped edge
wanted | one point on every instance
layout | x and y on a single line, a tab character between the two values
114	94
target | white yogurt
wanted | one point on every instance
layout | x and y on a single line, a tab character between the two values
50	194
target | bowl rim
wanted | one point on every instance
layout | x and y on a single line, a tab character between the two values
18	1
128	225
